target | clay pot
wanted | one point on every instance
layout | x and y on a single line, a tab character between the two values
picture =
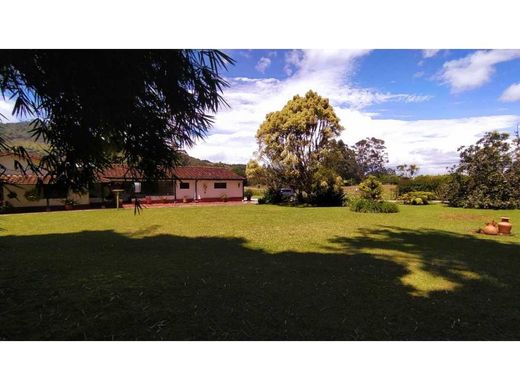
490	228
504	227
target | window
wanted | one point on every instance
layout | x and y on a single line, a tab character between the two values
220	185
184	186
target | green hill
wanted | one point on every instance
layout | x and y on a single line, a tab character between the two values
19	134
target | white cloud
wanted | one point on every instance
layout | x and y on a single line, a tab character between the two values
431	144
511	94
262	64
428	53
246	53
475	69
6	109
293	60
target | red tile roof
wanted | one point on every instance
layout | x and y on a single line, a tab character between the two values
22	179
183	173
217	173
118	172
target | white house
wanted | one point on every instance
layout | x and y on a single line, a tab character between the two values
182	184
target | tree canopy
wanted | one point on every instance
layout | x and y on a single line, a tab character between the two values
292	141
94	107
371	156
407	170
486	175
342	159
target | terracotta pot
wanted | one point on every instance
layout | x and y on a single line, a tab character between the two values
490	229
504	227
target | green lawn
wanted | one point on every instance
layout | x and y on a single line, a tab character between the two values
258	273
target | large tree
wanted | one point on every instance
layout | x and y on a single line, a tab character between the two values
292	141
371	156
94	107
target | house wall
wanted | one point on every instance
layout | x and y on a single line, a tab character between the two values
181	193
206	190
20	201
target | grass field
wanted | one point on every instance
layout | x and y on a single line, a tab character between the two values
258	273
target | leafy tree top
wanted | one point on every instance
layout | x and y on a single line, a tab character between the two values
371	156
304	124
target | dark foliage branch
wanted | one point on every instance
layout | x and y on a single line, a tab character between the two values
97	107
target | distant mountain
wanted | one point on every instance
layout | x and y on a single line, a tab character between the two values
19	134
239	169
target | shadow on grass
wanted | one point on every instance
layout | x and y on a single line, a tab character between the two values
386	284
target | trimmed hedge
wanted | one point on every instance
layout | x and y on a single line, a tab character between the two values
372	206
424	183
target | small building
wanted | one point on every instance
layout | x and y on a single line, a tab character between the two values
182	184
18	190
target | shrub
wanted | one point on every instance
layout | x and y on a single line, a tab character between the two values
372	206
6	207
328	196
273	196
248	194
261	201
371	188
417	197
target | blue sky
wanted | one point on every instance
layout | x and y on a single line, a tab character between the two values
423	103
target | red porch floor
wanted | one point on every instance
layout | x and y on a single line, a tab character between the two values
189	204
